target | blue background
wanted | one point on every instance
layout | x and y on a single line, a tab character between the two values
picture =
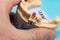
52	8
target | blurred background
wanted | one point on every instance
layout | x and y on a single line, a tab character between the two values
52	8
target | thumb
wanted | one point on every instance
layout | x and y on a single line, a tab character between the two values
37	34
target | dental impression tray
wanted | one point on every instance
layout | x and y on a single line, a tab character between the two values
28	16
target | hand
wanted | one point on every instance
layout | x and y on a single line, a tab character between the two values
9	32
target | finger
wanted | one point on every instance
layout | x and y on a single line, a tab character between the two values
13	2
16	2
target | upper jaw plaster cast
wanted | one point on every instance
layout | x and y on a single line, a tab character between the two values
37	18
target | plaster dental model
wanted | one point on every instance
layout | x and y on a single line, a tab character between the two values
33	19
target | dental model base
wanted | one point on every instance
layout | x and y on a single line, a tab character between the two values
31	19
